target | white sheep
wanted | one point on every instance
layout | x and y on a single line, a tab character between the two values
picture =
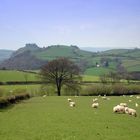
95	105
95	100
131	95
44	96
136	104
108	98
130	111
69	100
123	104
130	100
72	104
119	109
104	97
138	97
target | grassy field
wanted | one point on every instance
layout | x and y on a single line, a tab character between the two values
90	78
61	51
12	75
51	118
96	71
15	89
131	65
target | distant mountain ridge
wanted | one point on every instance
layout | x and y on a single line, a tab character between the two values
31	56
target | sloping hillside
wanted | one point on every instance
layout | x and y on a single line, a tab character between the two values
55	51
23	61
33	57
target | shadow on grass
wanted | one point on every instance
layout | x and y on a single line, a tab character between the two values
7	108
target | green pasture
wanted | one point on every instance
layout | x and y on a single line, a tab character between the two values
61	51
132	65
12	75
16	89
90	78
96	71
51	118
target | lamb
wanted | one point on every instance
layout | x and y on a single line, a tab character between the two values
138	97
136	104
119	109
72	104
69	100
44	96
104	97
130	100
95	100
95	105
123	104
130	111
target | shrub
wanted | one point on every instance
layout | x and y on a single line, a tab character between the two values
3	102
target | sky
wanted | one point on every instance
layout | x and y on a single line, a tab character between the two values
85	23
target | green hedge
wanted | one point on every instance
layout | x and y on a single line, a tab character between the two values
6	101
111	90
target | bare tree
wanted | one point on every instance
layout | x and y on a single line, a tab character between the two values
61	72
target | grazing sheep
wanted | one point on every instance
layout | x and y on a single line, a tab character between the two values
69	100
119	109
130	100
108	98
124	95
104	97
138	97
95	100
44	96
130	111
131	95
123	104
72	104
95	105
136	104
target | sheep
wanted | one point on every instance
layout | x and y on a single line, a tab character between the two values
136	104
124	95
69	100
95	100
108	98
130	100
104	97
44	96
130	111
131	95
72	104
123	104
138	97
119	109
95	105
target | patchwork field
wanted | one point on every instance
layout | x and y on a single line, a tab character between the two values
13	75
51	118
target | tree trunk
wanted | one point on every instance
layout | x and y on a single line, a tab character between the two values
58	90
59	93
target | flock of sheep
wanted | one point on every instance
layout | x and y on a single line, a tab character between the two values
120	108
